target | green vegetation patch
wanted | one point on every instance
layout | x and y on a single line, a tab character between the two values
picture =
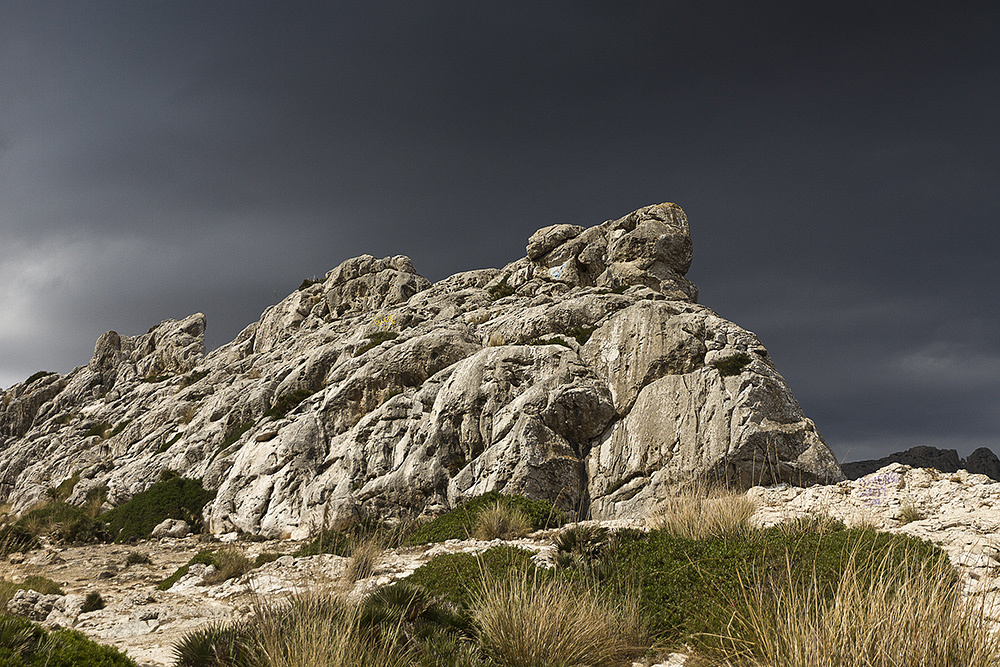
733	365
287	402
581	333
38	376
307	283
376	339
459	523
64	522
16	538
26	644
455	577
689	587
65	488
500	290
192	377
172	498
550	341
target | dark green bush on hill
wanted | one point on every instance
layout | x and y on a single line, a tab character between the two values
459	523
455	577
25	644
171	498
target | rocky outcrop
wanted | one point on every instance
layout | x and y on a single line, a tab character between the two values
585	373
980	462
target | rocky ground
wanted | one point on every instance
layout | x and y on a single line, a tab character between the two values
962	514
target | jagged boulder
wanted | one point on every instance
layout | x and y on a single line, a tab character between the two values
585	373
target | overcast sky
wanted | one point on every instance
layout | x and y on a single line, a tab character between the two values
839	163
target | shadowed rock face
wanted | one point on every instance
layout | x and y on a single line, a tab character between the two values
585	373
980	462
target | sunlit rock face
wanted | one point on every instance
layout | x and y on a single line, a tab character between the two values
584	372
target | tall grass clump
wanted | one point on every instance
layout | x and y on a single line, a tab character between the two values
883	613
317	629
525	622
500	521
703	510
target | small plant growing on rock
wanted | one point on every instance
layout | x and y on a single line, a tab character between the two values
732	365
909	512
136	558
92	602
501	290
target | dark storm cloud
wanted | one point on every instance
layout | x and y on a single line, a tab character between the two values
839	165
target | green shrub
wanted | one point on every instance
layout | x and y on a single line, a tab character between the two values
220	644
689	586
65	488
64	522
92	602
234	433
455	577
136	558
16	538
375	340
343	542
32	583
284	405
460	522
228	563
500	290
37	376
308	282
166	445
24	644
172	498
732	365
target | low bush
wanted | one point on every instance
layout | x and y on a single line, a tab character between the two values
460	522
501	290
25	644
284	405
92	602
171	498
63	522
376	339
229	563
733	365
222	644
136	558
455	577
65	489
16	538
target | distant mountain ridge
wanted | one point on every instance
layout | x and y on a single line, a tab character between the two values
982	462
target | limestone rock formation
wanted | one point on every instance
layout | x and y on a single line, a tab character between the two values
980	462
584	372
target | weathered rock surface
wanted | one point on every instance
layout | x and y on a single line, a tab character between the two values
584	372
980	462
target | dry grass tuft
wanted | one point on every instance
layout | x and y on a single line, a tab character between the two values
500	521
703	510
365	555
229	563
523	622
897	616
317	629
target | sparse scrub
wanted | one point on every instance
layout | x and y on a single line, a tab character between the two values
100	429
732	365
229	563
60	521
32	583
65	488
136	558
910	512
581	333
376	339
364	558
501	290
